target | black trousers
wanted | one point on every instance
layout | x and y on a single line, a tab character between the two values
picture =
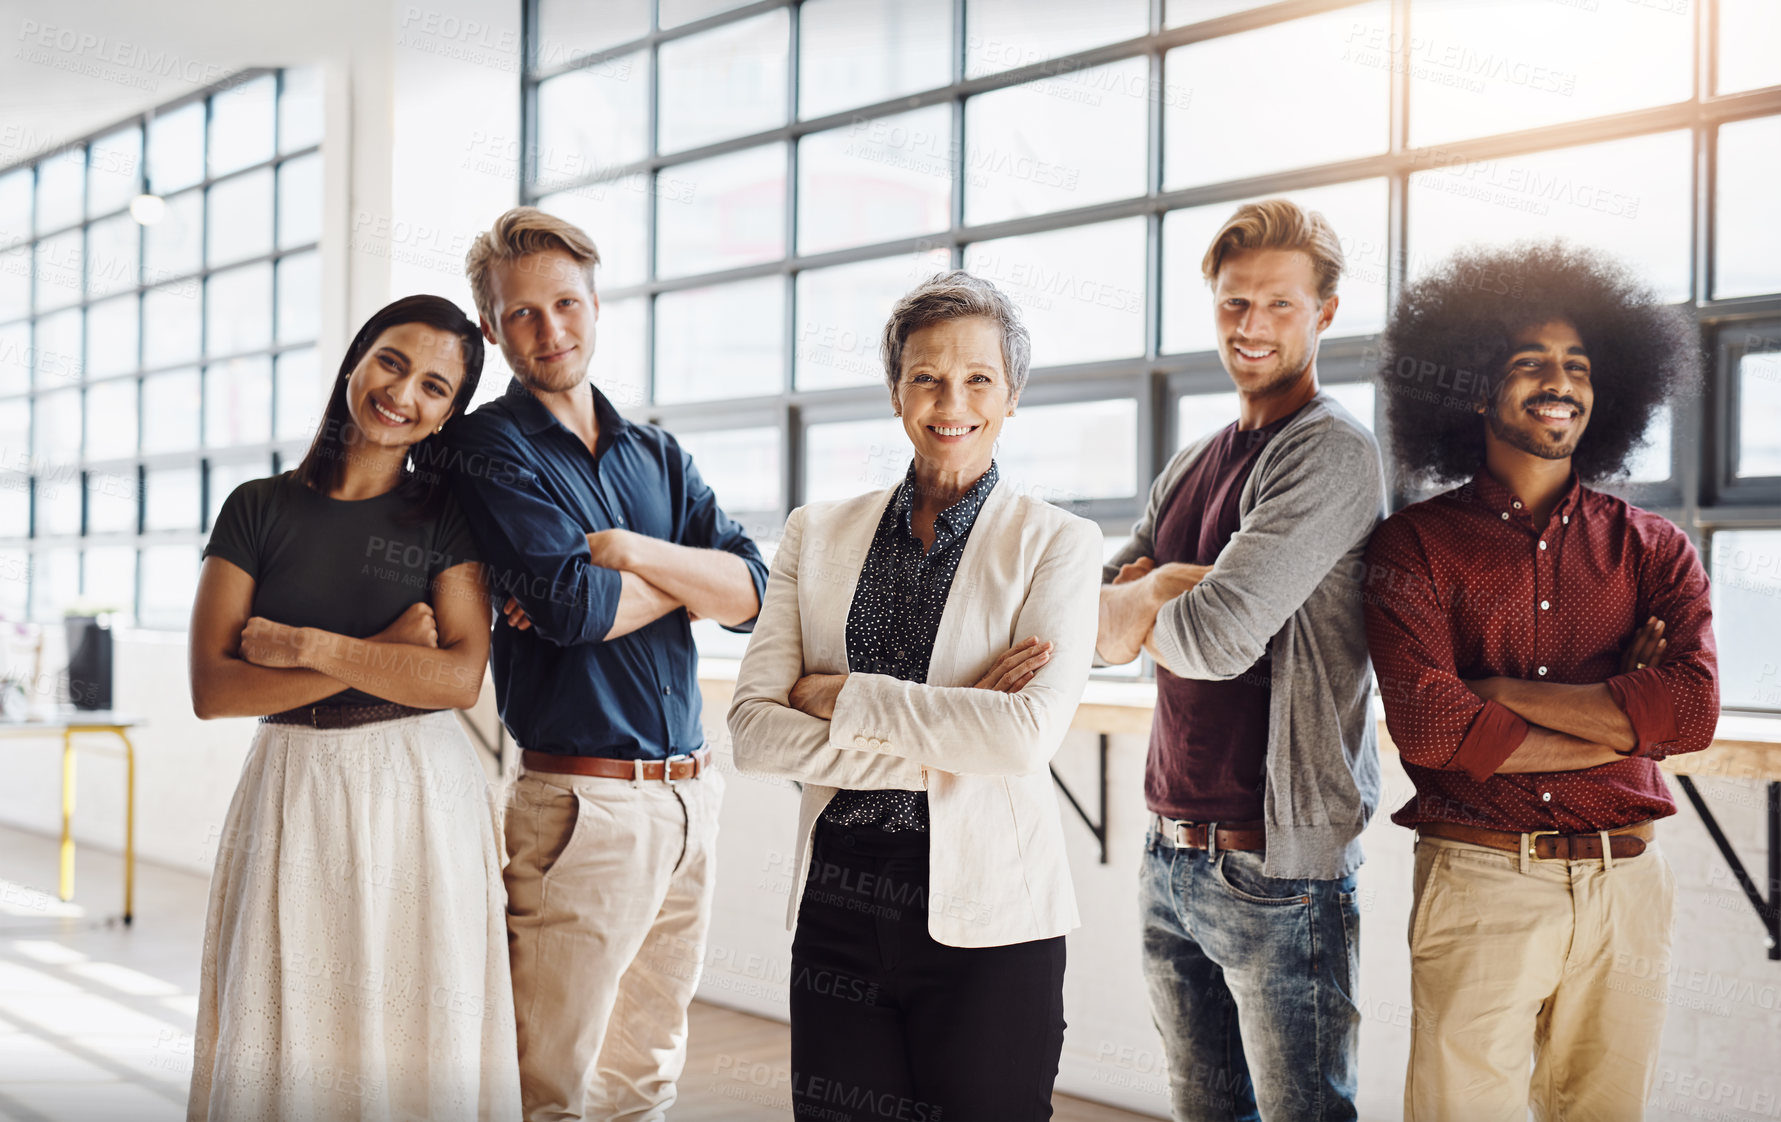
887	1024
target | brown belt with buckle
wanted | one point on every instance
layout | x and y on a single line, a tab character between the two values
671	770
1248	836
324	716
1549	845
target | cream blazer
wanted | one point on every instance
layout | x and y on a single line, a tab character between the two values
998	873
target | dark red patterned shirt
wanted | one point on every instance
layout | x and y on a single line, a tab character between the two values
1463	586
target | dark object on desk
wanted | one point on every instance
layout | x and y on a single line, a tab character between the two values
89	662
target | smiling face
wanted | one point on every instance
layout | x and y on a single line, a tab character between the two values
404	388
544	319
954	394
1543	403
1269	318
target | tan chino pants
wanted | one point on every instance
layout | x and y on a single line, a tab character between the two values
1513	960
609	889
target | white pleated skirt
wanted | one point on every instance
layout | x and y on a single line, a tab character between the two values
355	952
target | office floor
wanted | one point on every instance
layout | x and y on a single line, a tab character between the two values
96	1019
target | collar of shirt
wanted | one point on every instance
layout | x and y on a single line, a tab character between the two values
533	418
955	519
1489	491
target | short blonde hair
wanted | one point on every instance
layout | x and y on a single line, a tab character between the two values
522	231
1279	224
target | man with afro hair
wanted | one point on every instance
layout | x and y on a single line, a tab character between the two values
1540	645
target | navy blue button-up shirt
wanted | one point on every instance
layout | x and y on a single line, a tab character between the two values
532	494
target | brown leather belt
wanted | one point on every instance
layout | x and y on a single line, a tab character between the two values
670	771
1249	836
1549	845
324	716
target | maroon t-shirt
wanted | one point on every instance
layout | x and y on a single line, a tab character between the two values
1209	740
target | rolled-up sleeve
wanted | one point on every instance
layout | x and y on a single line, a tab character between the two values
704	525
1433	716
1674	706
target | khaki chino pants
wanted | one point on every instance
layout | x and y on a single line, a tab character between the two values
609	889
1513	959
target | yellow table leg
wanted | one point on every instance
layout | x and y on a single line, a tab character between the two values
129	827
66	884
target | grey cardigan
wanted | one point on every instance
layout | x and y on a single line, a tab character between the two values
1290	582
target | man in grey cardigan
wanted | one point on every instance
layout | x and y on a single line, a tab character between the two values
1243	581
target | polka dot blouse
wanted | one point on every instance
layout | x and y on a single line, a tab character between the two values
892	623
1465	586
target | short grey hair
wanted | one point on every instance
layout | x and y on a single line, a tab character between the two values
956	295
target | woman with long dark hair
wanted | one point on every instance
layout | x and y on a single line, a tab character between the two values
355	954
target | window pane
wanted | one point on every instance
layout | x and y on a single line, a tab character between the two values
58	498
1205	141
1072	452
15	282
722	83
174	246
170	330
1747	616
15	433
1357	211
299	201
720	342
1759	413
299	298
114	255
238	402
569	29
58	270
55	584
114	171
1747	241
301	396
875	180
111	337
225	477
15	206
15	522
618	367
593	118
842	312
111	502
56	353
1061	142
109	579
15	359
616	215
1519	64
55	435
732	214
171	406
673	13
1003	34
1628	197
61	181
111	420
1080	291
1651	462
1179	13
240	310
858	52
241	125
741	466
171	500
1201	414
176	149
849	458
240	211
300	109
1356	397
1748	32
169	582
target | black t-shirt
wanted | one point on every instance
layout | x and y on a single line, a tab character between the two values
349	567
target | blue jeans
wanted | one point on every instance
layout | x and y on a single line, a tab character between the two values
1252	985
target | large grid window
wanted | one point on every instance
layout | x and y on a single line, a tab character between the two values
765	178
148	361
